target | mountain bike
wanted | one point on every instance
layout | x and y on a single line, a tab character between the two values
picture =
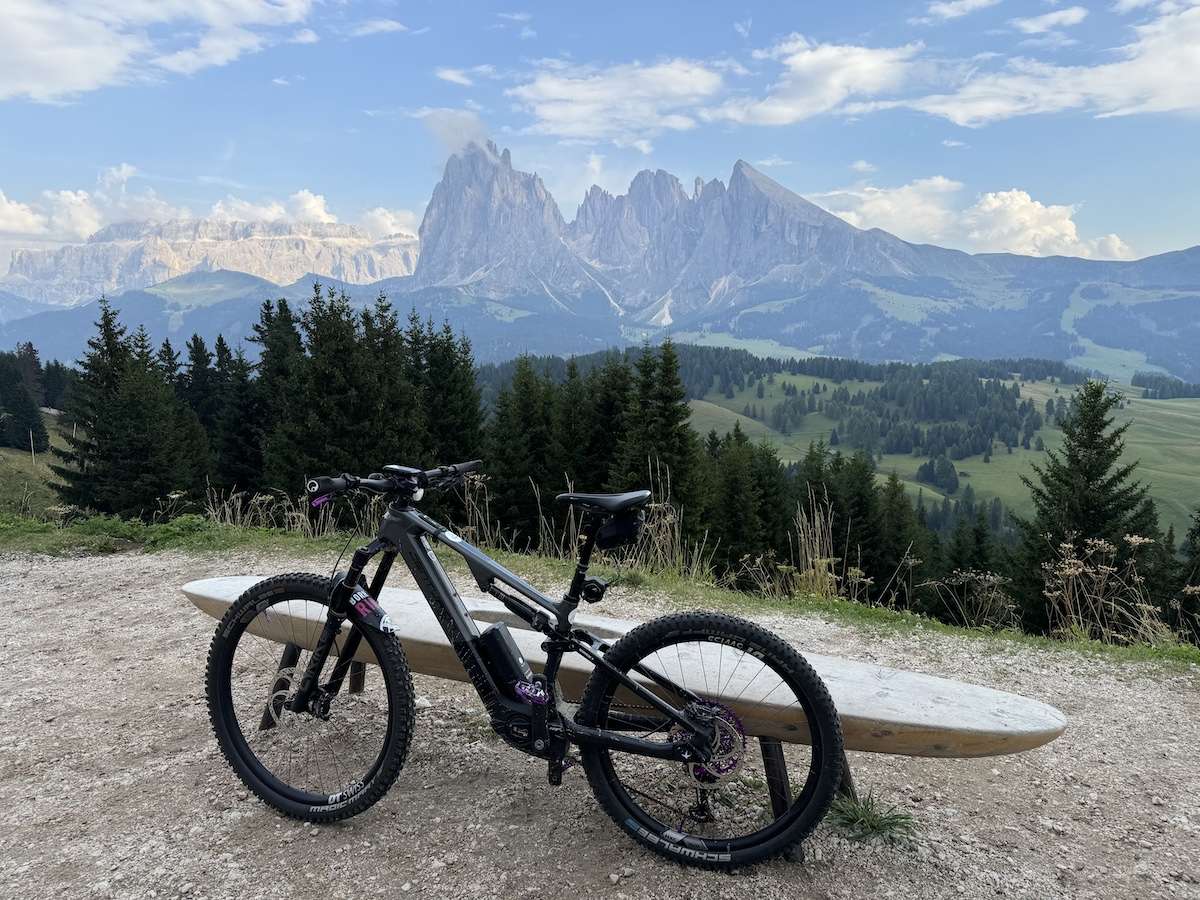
664	728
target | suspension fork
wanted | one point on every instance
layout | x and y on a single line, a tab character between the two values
354	638
339	611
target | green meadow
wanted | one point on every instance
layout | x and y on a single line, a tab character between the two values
1164	436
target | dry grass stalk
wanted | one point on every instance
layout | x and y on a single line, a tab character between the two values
1091	594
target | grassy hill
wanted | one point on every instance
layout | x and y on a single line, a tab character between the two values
24	480
1164	435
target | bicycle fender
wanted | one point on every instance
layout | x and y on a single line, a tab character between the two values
365	612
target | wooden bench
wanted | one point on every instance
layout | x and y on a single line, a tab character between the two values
882	710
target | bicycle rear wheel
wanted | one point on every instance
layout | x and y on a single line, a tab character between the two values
319	767
761	792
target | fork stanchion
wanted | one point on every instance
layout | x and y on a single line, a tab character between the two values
283	680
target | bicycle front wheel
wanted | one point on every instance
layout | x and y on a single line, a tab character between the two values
762	791
323	765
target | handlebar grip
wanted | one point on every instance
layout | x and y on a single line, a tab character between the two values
465	468
327	484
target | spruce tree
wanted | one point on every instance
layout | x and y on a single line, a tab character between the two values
518	454
633	458
21	424
281	373
238	442
672	441
91	407
200	383
1083	491
396	423
456	427
609	389
572	426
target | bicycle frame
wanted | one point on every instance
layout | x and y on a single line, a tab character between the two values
407	532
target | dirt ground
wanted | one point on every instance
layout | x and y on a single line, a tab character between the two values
111	784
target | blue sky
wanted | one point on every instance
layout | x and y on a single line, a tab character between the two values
1022	125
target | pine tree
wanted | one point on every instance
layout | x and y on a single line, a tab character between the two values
200	387
1083	491
238	442
518	454
900	536
734	519
609	388
456	429
397	420
168	364
21	422
632	460
672	441
281	372
572	426
91	407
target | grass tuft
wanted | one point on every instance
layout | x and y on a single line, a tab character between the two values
865	818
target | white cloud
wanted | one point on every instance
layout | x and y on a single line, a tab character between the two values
861	165
1059	18
454	76
453	128
305	206
381	222
235	209
954	9
919	211
20	218
281	81
515	16
819	78
54	51
930	210
1013	221
465	77
74	215
377	26
953	144
1149	76
772	162
627	104
304	36
302	206
743	27
1125	6
526	33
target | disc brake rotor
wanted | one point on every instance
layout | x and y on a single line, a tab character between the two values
729	745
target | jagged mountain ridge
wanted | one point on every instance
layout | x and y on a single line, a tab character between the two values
134	255
745	261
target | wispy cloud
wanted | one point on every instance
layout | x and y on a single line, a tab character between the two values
1059	18
942	10
465	77
953	144
861	165
628	104
515	16
304	36
377	26
743	27
772	162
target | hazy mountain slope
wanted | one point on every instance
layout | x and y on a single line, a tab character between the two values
141	254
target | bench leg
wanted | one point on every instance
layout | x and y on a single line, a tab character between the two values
775	767
291	654
358	677
846	788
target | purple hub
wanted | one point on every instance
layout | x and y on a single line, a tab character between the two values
731	741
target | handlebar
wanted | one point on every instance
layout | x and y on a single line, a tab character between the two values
395	480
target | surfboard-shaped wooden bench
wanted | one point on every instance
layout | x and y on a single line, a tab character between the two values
882	710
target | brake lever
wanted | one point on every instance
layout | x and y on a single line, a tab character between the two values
318	502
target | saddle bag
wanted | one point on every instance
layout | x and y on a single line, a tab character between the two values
621	529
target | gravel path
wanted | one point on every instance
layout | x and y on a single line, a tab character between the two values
111	784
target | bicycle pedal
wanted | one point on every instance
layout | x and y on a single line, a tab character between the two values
554	771
531	692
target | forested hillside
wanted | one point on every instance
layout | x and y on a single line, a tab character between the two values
336	389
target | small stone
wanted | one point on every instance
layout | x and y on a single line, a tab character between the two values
422	703
407	886
1157	801
614	877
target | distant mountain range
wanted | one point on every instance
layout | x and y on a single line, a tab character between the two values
748	262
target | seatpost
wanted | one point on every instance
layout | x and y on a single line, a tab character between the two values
587	536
